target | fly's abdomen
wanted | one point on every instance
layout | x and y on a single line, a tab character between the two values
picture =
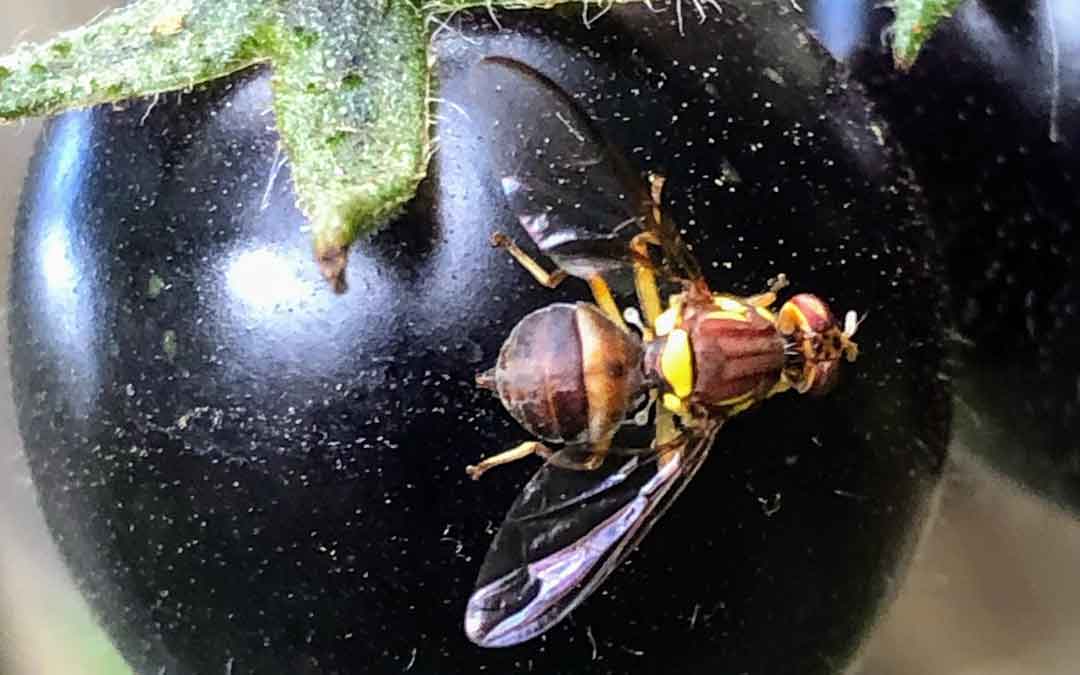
567	373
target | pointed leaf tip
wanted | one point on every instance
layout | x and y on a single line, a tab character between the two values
332	262
355	129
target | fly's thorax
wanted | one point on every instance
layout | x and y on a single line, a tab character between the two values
738	352
568	373
720	354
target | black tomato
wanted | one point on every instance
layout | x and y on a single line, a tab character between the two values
250	474
990	119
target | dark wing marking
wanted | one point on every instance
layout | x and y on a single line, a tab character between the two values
571	192
567	531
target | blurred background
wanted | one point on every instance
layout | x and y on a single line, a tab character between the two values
992	589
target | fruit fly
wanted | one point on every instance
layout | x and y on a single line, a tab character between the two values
580	375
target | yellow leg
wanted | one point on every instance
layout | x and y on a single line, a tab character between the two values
562	459
600	289
666	432
602	293
768	298
645	279
545	278
765	300
667	435
512	455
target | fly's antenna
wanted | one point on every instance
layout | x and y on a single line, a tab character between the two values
852	321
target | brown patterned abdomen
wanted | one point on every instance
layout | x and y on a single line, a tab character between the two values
567	373
538	375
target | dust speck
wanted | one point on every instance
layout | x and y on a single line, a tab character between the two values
168	344
154	286
774	76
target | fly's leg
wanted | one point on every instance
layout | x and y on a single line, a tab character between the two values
512	455
582	458
545	278
667	435
600	289
763	300
602	293
564	459
768	298
486	380
779	283
648	293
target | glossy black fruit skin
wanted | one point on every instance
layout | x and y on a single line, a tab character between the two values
990	120
249	474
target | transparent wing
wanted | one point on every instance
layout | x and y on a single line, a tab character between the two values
567	531
575	194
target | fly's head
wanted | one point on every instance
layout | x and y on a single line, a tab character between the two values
816	341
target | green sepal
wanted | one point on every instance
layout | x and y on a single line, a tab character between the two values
351	82
350	93
144	48
915	23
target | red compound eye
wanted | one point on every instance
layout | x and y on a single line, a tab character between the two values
817	314
806	313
